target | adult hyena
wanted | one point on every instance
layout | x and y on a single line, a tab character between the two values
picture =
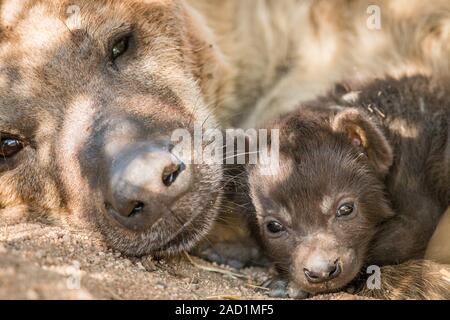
90	94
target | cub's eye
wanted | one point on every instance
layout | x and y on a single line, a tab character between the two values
274	227
9	146
120	48
345	210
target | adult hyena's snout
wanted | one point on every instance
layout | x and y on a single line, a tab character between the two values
138	183
145	180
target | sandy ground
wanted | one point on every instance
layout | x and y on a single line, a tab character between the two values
39	261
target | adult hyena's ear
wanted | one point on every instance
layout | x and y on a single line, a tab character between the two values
363	133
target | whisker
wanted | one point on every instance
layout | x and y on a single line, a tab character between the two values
241	154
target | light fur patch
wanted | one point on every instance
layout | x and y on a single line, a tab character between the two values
10	11
76	129
404	129
326	204
261	213
351	97
80	118
422	105
40	30
277	173
445	275
285	215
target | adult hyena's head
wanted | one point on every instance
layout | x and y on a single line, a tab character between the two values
90	94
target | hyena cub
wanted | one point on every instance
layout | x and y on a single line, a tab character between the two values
364	178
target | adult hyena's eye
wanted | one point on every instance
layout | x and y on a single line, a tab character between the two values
9	146
120	48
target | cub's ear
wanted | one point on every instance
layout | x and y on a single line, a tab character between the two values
364	133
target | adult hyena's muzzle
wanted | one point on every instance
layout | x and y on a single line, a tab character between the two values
138	177
145	180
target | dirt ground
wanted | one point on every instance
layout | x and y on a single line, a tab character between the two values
39	261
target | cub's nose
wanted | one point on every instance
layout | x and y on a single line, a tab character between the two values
145	181
320	270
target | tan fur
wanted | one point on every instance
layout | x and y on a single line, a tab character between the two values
439	246
415	280
288	51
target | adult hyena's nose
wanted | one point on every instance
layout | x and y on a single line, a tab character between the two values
145	181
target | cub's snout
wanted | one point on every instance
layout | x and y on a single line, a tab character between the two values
145	181
319	265
322	270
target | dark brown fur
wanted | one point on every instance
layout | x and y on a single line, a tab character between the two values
385	147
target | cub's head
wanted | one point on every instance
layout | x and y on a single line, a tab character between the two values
319	211
90	94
